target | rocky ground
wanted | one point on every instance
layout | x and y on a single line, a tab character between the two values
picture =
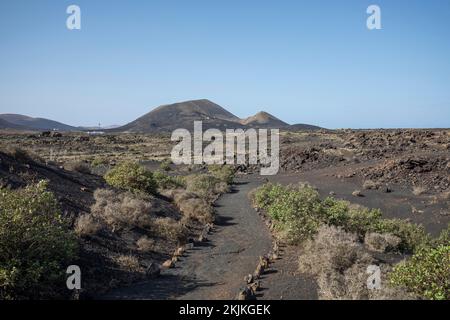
405	173
108	259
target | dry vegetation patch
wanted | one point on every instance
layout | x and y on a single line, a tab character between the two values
338	241
339	262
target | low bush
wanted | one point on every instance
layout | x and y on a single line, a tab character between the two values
427	273
86	225
381	242
267	194
131	177
191	206
129	263
201	184
221	188
224	173
165	181
413	236
298	211
122	210
169	229
79	166
99	161
36	244
353	218
165	165
369	184
295	210
339	261
145	244
361	219
197	209
444	237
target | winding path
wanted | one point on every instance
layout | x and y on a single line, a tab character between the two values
216	269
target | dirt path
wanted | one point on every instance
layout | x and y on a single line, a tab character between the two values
216	269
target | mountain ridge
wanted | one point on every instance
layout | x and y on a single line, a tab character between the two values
169	117
36	123
164	118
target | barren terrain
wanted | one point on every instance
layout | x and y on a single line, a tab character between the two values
405	173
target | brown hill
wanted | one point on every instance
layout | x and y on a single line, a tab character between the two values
36	123
167	118
302	126
182	115
264	120
8	125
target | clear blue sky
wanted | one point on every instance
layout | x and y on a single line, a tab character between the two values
303	61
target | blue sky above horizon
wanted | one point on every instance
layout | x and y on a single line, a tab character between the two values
302	61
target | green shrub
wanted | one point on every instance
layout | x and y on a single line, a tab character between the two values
224	173
201	184
293	206
36	245
99	162
427	273
361	220
352	218
267	194
165	181
444	237
413	236
165	165
335	212
131	177
295	210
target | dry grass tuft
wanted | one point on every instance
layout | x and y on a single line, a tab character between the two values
23	155
192	206
339	263
78	166
86	225
145	244
122	210
370	185
419	190
169	229
129	263
381	242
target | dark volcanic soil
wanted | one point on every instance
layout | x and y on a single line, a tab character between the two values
215	269
399	203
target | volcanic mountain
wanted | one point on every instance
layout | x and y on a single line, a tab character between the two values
35	123
8	125
182	115
167	118
264	120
